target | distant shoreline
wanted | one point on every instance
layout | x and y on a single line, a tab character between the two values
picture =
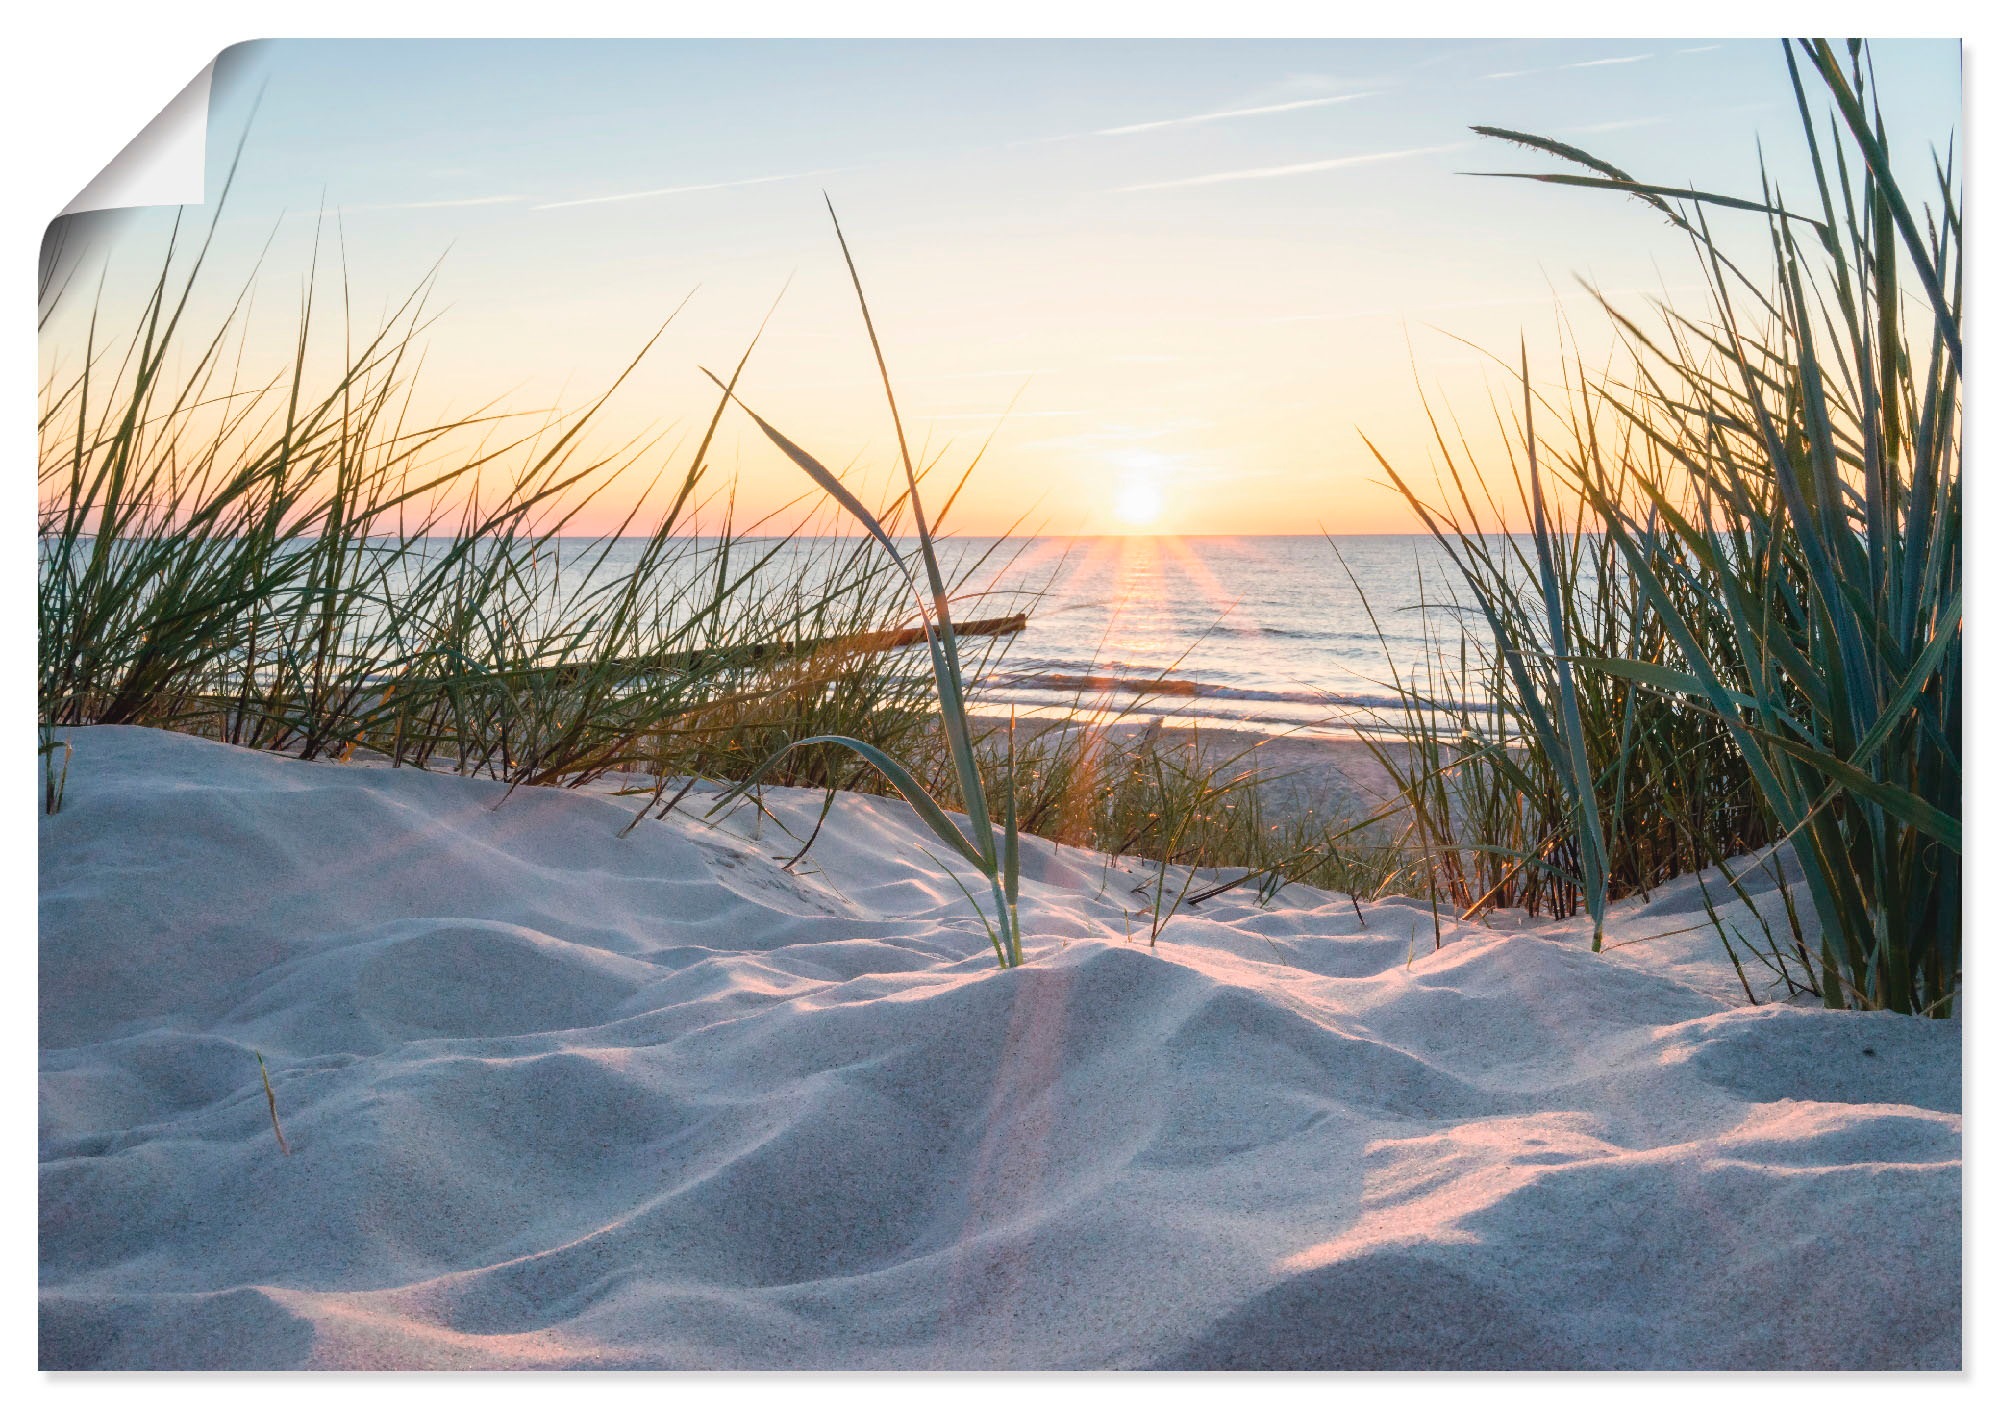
1298	772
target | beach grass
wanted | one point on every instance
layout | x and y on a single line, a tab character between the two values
1728	629
271	1105
1109	787
994	852
298	563
1182	809
1746	629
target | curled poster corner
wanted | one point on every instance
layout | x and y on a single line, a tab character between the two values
166	164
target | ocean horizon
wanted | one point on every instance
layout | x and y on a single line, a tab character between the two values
1267	632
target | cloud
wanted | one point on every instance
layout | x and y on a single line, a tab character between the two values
1542	296
1617	126
998	416
1603	63
1302	168
1581	63
1621	124
682	190
468	200
1008	372
1117	434
438	205
1226	114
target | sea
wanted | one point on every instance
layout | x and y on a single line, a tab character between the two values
1305	633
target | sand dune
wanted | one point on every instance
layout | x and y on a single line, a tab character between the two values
558	1098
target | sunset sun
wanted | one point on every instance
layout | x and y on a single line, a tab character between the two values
1139	502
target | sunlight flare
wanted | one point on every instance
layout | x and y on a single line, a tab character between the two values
1140	501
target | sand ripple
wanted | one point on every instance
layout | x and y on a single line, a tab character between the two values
558	1098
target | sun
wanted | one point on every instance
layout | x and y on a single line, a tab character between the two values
1139	502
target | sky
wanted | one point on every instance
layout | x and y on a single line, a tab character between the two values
1174	283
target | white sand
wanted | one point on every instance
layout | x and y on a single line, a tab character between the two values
1333	776
557	1098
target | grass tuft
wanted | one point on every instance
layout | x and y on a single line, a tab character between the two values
271	1102
993	856
1747	631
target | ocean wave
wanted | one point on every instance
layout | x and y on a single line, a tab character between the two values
1065	683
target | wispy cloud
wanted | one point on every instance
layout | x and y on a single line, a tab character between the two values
1000	415
1226	114
1542	296
468	200
439	205
1581	63
1118	435
681	190
994	375
1699	49
1622	123
1301	168
1618	125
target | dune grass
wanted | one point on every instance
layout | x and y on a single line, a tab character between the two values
1747	628
296	563
994	852
1212	821
1731	628
271	1105
55	755
1182	809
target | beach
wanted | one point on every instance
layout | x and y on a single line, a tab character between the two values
1330	775
552	1094
1038	723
